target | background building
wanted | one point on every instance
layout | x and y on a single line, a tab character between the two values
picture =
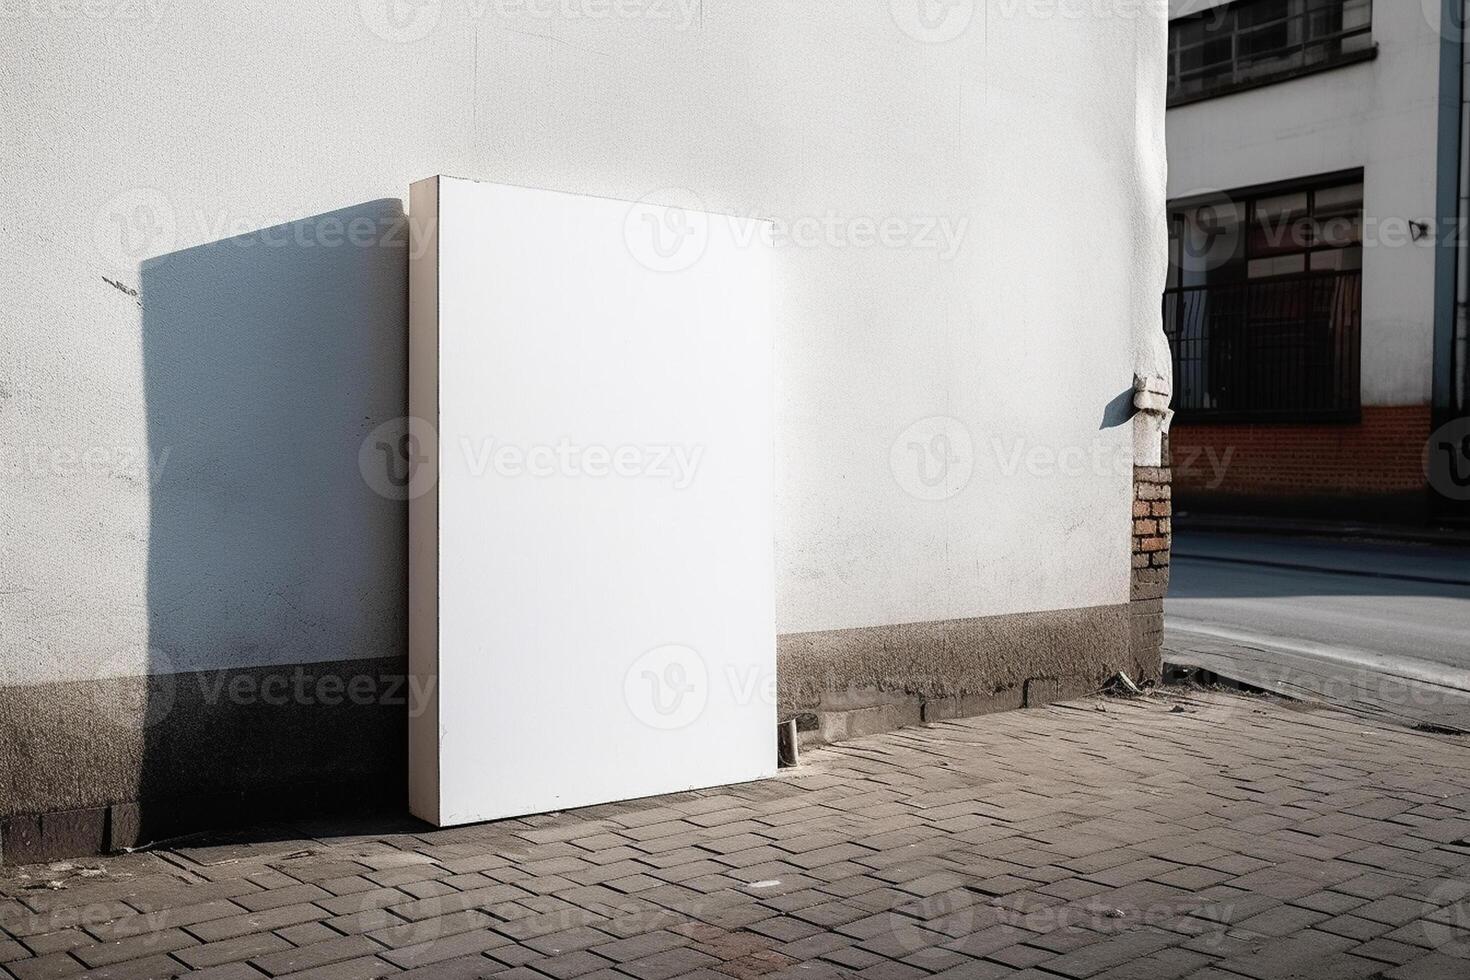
204	596
1315	175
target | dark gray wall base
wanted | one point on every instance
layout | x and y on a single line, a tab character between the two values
98	765
843	684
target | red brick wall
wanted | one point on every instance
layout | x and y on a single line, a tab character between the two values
1382	454
1152	538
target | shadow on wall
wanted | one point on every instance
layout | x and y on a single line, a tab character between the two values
276	587
1118	410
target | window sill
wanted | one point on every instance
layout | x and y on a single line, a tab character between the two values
1357	57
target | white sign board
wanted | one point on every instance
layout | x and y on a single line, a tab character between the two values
592	599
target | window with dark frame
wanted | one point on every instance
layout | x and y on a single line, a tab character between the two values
1256	42
1263	302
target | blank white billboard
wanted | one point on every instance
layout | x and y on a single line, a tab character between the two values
592	596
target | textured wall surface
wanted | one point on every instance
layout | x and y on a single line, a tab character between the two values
137	146
205	277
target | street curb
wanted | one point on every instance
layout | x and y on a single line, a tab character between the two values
1219	523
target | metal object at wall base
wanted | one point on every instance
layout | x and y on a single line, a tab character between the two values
786	751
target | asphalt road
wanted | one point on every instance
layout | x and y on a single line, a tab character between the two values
1382	628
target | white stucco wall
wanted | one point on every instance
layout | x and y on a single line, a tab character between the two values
1378	115
1019	159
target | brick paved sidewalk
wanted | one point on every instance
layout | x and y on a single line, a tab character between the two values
1209	836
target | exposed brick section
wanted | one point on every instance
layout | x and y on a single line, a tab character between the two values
1153	516
1380	455
1209	836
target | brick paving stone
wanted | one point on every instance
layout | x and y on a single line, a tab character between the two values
441	948
513	956
637	947
568	966
1111	952
1166	964
1283	920
1296	955
155	967
428	930
1192	878
1354	927
227	971
424	908
245	923
370	920
1395	910
362	968
1237	839
667	964
1021	956
1394	953
462	968
307	934
58	942
1374	885
567	940
976	970
317	954
276	897
134	947
239	948
853	958
45	967
892	971
785	929
1331	902
1435	966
